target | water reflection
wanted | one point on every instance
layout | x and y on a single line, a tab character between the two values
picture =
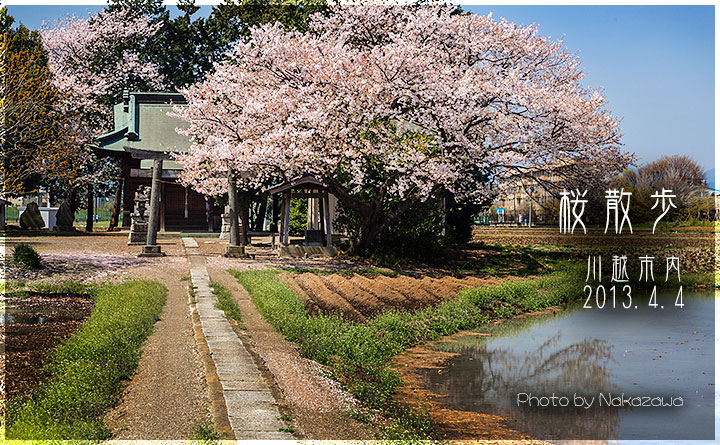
9	318
642	352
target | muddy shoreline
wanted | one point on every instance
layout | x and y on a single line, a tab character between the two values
448	423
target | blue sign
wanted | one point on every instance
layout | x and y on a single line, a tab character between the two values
501	211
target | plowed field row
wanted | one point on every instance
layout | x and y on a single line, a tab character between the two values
358	297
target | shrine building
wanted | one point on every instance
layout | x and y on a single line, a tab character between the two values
142	132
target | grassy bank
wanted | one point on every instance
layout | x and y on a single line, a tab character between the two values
86	371
226	303
359	354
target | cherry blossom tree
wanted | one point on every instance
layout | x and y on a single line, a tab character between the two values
391	105
92	60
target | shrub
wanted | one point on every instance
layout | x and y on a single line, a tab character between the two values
298	216
25	255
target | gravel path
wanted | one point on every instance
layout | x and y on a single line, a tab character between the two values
168	394
317	405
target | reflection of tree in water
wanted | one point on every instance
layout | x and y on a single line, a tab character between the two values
486	379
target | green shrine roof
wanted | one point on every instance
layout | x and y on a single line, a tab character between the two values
141	121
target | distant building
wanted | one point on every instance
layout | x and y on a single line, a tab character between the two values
517	188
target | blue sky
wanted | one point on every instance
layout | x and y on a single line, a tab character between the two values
655	63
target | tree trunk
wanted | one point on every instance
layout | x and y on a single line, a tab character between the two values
115	218
244	218
260	220
90	208
364	240
371	225
72	200
373	219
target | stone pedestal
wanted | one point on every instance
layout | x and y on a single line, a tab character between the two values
151	251
225	228
139	222
138	233
235	252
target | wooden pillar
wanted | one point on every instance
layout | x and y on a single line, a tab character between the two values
162	206
280	222
127	197
286	218
117	203
321	217
2	217
328	223
276	211
151	247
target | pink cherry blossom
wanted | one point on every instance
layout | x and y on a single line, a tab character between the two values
92	60
403	100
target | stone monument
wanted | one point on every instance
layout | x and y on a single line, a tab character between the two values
139	220
64	219
31	219
225	228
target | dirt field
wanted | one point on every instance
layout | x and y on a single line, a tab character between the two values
595	237
33	327
360	296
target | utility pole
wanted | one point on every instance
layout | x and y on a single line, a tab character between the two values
532	189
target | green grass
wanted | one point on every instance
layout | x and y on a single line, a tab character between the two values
300	270
64	287
226	303
359	354
205	432
86	371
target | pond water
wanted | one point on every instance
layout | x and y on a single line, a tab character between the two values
641	352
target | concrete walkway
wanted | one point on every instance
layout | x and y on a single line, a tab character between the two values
250	404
